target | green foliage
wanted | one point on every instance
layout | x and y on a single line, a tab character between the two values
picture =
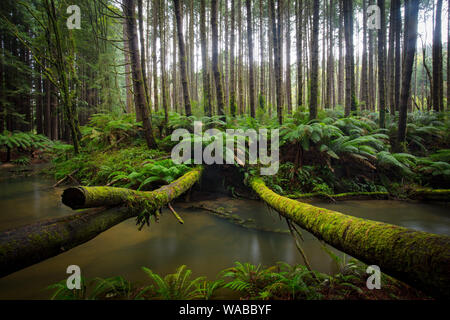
22	161
160	172
107	129
24	141
176	286
111	288
61	292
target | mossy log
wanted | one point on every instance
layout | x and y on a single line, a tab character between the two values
430	195
341	196
418	258
24	246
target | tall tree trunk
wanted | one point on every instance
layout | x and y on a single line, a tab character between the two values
381	63
128	84
174	65
437	60
136	68
277	59
314	61
262	94
39	102
241	63
143	64
250	59
298	26
397	62
207	107
350	98
154	57
162	37
182	57
411	12
288	58
232	61
390	68
364	97
330	66
371	70
215	59
341	72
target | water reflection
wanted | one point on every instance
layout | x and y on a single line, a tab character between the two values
205	243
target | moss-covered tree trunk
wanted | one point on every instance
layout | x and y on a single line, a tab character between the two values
418	258
24	246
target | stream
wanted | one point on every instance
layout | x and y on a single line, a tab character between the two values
205	243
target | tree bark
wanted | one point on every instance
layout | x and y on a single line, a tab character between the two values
298	26
182	58
437	60
411	11
251	79
136	67
314	61
215	59
204	44
381	64
350	98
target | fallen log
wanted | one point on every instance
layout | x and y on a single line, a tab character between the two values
418	258
24	246
431	195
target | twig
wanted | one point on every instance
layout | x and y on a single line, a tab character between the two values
175	213
64	179
300	249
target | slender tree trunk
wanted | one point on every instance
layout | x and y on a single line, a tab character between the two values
288	58
277	59
250	59
136	67
215	59
298	26
411	12
364	97
154	57
314	61
143	64
128	84
397	33
371	70
162	37
350	98
232	61
437	60
262	94
241	63
341	72
207	107
381	64
182	57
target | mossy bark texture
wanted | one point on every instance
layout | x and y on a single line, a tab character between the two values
418	258
24	246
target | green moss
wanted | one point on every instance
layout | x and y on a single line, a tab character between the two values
418	258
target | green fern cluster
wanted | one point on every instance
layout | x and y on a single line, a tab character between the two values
24	140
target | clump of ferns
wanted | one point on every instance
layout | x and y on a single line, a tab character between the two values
177	286
247	278
292	282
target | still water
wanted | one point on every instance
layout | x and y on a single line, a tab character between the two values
205	243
